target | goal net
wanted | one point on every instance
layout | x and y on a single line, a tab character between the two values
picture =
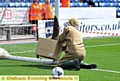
16	35
20	39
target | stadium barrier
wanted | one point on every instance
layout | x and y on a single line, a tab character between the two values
87	12
88	27
19	17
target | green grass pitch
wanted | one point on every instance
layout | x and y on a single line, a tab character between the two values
105	52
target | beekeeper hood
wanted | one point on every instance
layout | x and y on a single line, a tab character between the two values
74	22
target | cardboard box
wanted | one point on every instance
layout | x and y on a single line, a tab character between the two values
48	48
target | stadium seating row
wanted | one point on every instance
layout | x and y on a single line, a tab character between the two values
100	4
23	4
52	1
24	1
27	4
74	3
17	4
104	0
103	4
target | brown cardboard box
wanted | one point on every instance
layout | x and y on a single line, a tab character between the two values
48	48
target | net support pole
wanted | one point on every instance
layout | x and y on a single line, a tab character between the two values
4	10
29	59
57	4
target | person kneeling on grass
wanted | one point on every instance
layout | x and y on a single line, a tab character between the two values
75	50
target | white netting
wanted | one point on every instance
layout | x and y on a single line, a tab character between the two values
19	46
15	39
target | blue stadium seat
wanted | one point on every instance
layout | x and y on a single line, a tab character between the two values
118	1
72	4
53	4
102	1
119	4
76	4
24	1
94	1
113	4
76	1
98	0
11	4
111	0
28	4
85	4
96	4
118	13
23	4
81	4
103	4
30	0
117	9
88	0
1	4
2	0
115	0
5	4
42	1
107	0
107	4
17	4
52	1
116	4
12	0
72	1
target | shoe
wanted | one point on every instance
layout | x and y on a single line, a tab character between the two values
77	68
77	64
88	66
93	66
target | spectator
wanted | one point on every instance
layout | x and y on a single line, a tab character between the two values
82	1
48	10
91	4
35	14
65	3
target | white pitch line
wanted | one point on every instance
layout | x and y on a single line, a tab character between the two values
103	45
110	71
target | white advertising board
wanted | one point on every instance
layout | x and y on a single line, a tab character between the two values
87	12
15	15
100	27
88	27
21	15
